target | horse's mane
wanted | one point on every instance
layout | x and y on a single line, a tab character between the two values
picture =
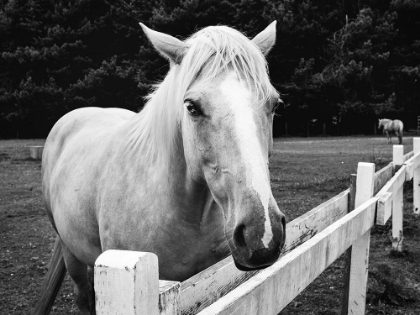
212	51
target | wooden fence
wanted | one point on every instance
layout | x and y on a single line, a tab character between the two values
418	125
127	282
35	152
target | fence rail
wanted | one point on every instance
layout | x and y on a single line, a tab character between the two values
127	282
418	125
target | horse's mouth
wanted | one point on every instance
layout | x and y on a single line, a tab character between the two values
260	259
244	268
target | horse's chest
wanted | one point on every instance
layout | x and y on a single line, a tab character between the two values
191	260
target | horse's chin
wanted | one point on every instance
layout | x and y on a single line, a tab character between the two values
244	268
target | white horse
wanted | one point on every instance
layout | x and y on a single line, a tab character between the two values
186	178
392	126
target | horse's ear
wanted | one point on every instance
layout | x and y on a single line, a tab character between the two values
170	47
267	38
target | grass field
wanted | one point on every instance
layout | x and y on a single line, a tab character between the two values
304	173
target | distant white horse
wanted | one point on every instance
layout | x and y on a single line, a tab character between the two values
187	178
392	126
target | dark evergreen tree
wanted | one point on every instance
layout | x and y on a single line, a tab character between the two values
60	55
337	64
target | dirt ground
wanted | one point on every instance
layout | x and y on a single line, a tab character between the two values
304	173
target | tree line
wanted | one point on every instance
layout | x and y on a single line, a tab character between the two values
339	65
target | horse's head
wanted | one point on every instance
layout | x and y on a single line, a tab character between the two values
226	108
382	123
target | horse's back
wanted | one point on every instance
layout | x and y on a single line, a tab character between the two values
86	120
392	125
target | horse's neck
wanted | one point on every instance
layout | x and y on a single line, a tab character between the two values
192	200
172	181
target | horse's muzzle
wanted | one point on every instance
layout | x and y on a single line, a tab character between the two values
250	253
260	259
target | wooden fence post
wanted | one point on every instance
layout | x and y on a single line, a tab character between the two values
397	201
127	282
35	152
346	276
169	297
416	179
397	156
360	249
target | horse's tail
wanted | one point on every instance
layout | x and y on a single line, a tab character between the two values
400	132
52	281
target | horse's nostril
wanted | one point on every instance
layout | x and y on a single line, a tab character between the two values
283	240
283	222
239	236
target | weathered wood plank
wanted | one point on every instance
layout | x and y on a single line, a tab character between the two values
409	154
120	279
169	296
209	285
397	218
359	274
360	249
384	209
398	155
35	152
416	179
397	200
391	186
364	182
416	145
347	254
273	288
411	165
382	177
312	222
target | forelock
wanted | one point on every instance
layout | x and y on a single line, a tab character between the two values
218	49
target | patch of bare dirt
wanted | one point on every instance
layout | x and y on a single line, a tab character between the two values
300	182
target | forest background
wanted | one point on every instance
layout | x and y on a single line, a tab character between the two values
339	65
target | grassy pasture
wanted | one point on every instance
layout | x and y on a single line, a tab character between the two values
304	173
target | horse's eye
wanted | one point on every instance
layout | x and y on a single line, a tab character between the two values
192	108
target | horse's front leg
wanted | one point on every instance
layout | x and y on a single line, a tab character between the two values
388	136
90	273
79	273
